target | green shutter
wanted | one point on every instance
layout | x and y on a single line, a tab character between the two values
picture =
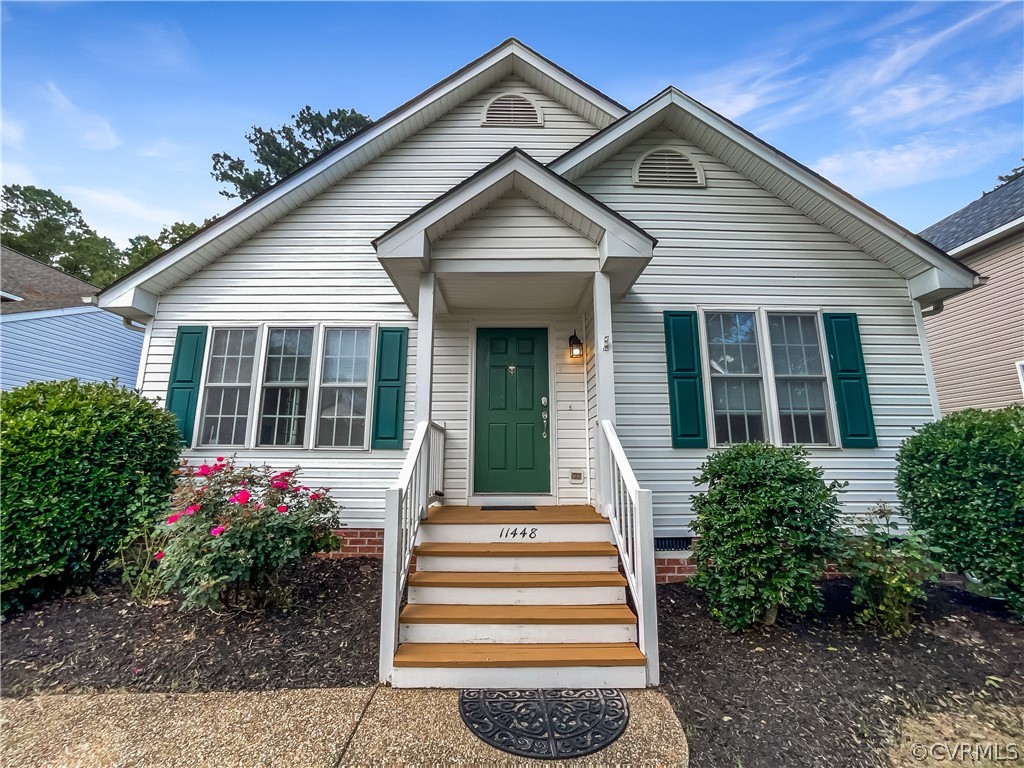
685	380
849	381
389	391
186	369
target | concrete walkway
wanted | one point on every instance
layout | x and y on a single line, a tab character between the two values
314	728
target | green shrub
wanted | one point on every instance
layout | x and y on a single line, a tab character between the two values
81	462
766	525
963	478
233	530
889	569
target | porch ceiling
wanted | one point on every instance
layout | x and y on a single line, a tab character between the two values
542	292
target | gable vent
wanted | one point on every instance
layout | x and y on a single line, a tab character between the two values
667	167
512	109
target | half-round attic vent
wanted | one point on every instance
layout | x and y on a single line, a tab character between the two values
668	167
512	109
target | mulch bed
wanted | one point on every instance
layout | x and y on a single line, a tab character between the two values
106	642
821	691
813	691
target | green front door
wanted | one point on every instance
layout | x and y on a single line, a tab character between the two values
512	411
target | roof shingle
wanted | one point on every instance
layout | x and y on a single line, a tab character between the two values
991	211
40	286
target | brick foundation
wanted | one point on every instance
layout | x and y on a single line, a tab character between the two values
358	542
668	570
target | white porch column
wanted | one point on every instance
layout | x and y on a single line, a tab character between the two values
604	379
425	348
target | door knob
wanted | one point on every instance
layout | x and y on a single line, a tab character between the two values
544	401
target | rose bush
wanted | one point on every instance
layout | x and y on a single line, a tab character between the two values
233	531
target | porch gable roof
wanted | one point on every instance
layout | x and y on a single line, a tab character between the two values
622	249
932	274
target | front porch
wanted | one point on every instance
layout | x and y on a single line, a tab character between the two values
510	424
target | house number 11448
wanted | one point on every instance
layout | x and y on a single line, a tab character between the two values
518	533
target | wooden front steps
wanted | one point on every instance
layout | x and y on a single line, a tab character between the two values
517	598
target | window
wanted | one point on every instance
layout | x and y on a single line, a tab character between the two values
228	387
344	385
668	167
312	379
286	386
800	382
788	405
736	388
512	109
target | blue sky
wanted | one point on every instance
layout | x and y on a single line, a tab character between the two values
914	107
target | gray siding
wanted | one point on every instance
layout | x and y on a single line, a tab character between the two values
978	338
735	244
85	343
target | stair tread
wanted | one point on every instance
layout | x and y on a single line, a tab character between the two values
423	613
563	514
518	655
516	580
517	549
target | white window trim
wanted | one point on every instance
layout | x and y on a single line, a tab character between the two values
536	107
313	400
773	426
1020	375
701	178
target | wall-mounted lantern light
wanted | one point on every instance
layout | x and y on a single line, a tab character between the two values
575	346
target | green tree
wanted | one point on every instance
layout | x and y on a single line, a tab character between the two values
281	151
142	248
42	224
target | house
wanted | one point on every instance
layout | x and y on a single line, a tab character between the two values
48	332
514	292
977	339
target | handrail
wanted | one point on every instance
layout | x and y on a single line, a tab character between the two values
405	505
629	509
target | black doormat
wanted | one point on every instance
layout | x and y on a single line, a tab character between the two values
548	723
508	508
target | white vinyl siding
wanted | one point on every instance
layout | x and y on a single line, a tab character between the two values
979	336
733	243
84	343
316	265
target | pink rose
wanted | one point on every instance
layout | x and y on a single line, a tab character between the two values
314	496
279	484
217	531
174	518
158	556
242	497
282	508
204	470
220	459
191	509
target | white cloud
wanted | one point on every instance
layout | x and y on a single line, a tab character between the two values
12	131
92	130
922	158
117	215
149	46
161	148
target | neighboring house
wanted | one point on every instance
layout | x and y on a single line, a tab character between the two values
48	332
977	339
515	291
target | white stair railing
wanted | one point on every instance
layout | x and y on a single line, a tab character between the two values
628	508
405	505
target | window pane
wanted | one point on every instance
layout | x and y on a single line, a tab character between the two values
342	421
225	413
231	356
288	356
738	409
346	355
795	347
283	416
732	343
802	411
